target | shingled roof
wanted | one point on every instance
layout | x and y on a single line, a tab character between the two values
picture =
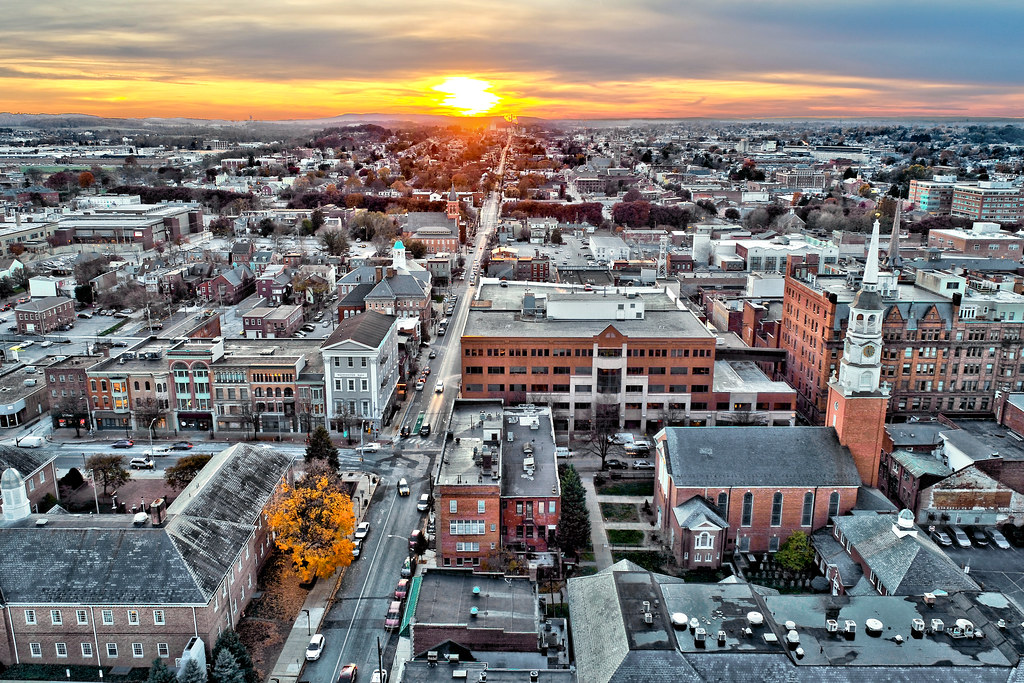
25	460
761	456
368	328
106	559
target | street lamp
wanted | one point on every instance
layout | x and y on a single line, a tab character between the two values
151	423
309	631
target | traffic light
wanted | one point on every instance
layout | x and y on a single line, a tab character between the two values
344	434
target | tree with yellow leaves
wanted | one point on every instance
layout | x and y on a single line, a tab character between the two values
313	521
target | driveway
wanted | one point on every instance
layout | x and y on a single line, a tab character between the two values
994	569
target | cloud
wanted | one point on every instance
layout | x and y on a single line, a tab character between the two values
554	56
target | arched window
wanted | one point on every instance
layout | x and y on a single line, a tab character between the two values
723	504
288	393
748	509
833	504
257	391
704	541
777	509
808	512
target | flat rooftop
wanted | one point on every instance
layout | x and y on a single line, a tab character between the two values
146	356
447	596
464	455
994	436
672	324
743	376
530	429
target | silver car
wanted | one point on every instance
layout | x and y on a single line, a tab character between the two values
960	537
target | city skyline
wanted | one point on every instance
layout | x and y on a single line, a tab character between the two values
652	59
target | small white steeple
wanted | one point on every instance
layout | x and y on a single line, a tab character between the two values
398	256
16	505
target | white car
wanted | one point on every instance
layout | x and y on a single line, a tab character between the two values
362	531
372	447
439	387
315	647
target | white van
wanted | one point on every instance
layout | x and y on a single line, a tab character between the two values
563	452
31	441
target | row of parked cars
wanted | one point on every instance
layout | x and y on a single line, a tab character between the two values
974	537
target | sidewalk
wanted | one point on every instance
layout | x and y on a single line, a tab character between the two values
602	553
319	600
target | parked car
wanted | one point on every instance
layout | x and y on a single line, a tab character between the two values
959	537
319	316
563	452
315	647
122	443
394	616
46	344
362	531
402	589
357	547
942	538
979	538
348	673
407	568
327	323
85	315
156	451
998	539
638	447
181	446
379	676
432	355
616	464
643	465
142	463
403	487
415	539
424	502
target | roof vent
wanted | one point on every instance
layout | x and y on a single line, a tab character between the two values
678	620
755	618
42	522
873	626
476	590
647	606
473	611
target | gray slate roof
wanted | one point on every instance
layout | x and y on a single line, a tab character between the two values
907	565
25	460
697	511
761	456
104	559
368	328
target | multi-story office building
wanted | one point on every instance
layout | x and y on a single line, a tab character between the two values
934	196
988	201
948	346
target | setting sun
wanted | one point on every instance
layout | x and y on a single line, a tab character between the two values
469	95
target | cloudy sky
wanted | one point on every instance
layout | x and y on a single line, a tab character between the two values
554	58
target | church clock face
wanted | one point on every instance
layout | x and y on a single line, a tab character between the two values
869	351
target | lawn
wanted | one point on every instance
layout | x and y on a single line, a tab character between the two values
625	537
643	487
650	560
113	328
619	512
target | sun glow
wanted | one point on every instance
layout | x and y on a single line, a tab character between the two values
469	95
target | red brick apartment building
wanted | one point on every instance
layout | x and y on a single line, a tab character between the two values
988	201
497	487
948	346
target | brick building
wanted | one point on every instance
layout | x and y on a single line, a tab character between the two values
754	487
988	201
68	383
265	322
143	590
37	469
42	316
934	196
983	239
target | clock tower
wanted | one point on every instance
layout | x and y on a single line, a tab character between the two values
856	401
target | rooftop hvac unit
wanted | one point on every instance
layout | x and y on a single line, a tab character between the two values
832	626
938	626
648	618
850	626
917	625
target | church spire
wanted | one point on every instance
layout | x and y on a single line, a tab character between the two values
892	258
870	282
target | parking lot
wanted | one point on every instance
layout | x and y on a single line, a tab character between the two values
994	569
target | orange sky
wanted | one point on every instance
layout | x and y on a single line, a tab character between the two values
574	59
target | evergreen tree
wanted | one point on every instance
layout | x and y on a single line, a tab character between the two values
321	448
574	524
230	641
225	669
159	673
192	673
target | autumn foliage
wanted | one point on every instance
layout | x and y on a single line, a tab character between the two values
313	521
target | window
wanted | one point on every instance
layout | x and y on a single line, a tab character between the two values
723	503
158	617
87	649
748	509
55	617
773	544
453	505
162	650
136	649
30	616
833	504
480	507
108	617
62	649
776	509
808	512
36	649
83	616
112	650
704	541
133	617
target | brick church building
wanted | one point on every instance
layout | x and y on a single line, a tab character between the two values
720	490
